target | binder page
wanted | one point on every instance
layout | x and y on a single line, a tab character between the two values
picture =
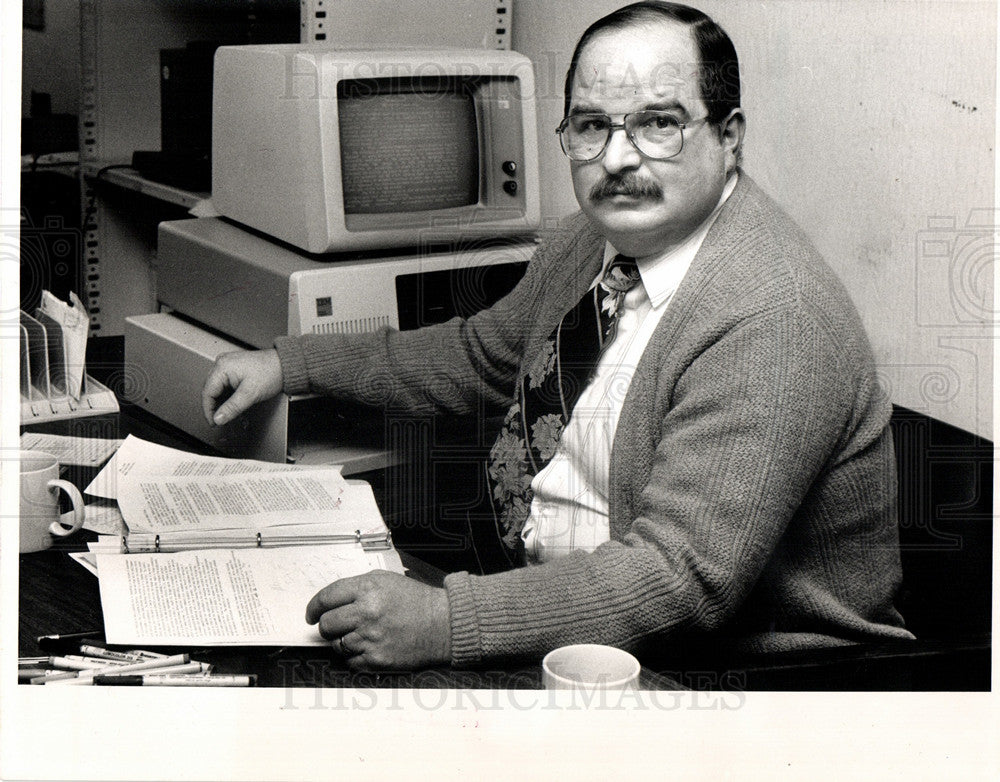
85	559
249	502
104	520
223	597
355	519
138	457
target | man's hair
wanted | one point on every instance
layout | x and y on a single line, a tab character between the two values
719	69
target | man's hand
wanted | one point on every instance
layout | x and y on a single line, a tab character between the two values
384	620
251	375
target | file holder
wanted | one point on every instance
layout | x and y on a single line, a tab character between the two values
44	377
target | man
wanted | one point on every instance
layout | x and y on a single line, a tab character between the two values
727	472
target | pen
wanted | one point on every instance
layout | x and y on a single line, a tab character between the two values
132	656
32	662
70	636
165	662
54	676
63	640
64	668
187	668
97	661
27	674
91	648
147	653
177	680
76	663
159	662
87	677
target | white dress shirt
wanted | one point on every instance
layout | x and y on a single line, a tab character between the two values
569	509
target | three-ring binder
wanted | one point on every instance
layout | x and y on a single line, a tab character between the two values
152	543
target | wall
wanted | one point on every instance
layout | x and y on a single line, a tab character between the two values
873	123
50	59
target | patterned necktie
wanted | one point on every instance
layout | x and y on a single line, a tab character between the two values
546	395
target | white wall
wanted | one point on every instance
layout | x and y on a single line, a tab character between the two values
873	123
50	59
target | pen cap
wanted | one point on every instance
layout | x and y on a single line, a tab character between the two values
125	680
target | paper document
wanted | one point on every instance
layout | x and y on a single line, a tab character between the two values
86	559
82	451
139	457
176	500
74	325
236	547
219	597
247	502
104	520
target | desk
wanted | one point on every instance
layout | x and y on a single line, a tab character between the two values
59	596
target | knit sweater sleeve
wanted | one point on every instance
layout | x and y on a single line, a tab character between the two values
727	475
448	368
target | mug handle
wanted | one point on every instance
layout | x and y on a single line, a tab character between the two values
76	499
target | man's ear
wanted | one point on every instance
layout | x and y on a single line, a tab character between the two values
731	132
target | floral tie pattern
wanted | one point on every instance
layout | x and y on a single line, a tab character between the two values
546	394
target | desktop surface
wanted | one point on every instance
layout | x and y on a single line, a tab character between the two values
58	596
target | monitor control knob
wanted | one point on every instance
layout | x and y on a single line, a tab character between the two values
510	187
509	167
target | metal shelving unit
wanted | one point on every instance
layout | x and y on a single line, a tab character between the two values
120	42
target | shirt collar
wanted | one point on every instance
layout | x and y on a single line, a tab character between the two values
663	272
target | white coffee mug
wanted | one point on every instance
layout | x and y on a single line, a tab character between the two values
589	666
39	507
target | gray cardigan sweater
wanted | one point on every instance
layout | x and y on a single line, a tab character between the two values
752	471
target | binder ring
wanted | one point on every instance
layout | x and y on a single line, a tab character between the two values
156	545
260	543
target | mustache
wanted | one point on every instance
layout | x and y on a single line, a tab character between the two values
628	183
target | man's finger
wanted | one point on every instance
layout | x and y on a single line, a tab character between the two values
338	622
340	593
241	399
215	386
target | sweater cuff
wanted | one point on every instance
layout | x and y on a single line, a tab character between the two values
466	649
295	375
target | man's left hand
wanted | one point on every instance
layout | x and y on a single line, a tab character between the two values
384	620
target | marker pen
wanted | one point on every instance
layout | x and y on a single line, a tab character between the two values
177	680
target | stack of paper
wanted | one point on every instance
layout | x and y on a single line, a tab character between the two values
252	542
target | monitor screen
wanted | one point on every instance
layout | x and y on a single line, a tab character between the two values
408	145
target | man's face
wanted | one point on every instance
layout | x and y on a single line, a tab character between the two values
645	205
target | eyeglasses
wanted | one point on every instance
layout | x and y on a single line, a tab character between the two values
656	134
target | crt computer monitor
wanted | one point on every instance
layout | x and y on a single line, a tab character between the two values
333	150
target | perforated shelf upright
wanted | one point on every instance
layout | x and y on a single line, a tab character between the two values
120	43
